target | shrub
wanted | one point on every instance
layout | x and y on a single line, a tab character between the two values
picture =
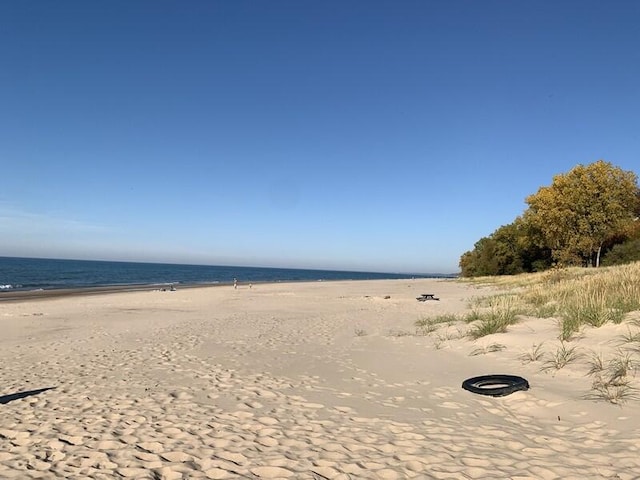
623	253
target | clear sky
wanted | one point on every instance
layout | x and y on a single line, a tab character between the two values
367	135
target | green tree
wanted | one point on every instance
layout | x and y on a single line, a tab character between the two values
582	209
623	253
479	262
625	247
507	251
534	256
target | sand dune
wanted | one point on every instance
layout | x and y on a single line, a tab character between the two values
322	380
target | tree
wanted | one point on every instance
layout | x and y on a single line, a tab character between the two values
479	262
507	251
534	255
582	209
623	253
625	247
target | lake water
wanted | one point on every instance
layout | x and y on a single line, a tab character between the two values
44	274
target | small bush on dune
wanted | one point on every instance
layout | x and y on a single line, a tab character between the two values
623	253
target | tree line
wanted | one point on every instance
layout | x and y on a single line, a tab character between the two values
587	217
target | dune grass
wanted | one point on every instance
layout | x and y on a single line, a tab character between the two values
534	355
563	356
612	379
500	312
427	325
494	347
577	297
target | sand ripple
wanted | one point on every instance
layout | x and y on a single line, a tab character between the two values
186	400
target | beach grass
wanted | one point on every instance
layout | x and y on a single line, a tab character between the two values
427	325
561	357
535	354
577	297
500	312
612	379
491	348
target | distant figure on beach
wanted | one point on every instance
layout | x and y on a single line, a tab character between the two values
235	283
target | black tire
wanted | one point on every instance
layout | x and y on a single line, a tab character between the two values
495	385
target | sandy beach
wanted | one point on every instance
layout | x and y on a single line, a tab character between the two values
324	380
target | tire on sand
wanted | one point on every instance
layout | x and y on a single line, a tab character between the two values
495	385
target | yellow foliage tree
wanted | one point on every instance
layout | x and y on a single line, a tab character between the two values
582	209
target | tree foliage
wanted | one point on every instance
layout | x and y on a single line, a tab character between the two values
582	215
626	252
510	250
626	247
582	209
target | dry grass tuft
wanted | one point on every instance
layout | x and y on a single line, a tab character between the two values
533	355
427	325
612	379
562	357
494	347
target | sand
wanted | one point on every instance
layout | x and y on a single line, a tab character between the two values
324	380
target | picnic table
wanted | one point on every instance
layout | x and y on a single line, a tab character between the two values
427	296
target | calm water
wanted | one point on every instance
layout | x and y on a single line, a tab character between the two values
37	273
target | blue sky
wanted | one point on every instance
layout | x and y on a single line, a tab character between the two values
364	135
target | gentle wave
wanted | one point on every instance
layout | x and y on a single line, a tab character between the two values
38	273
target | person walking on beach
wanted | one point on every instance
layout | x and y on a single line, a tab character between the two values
235	283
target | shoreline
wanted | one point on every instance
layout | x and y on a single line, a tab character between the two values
26	295
50	293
